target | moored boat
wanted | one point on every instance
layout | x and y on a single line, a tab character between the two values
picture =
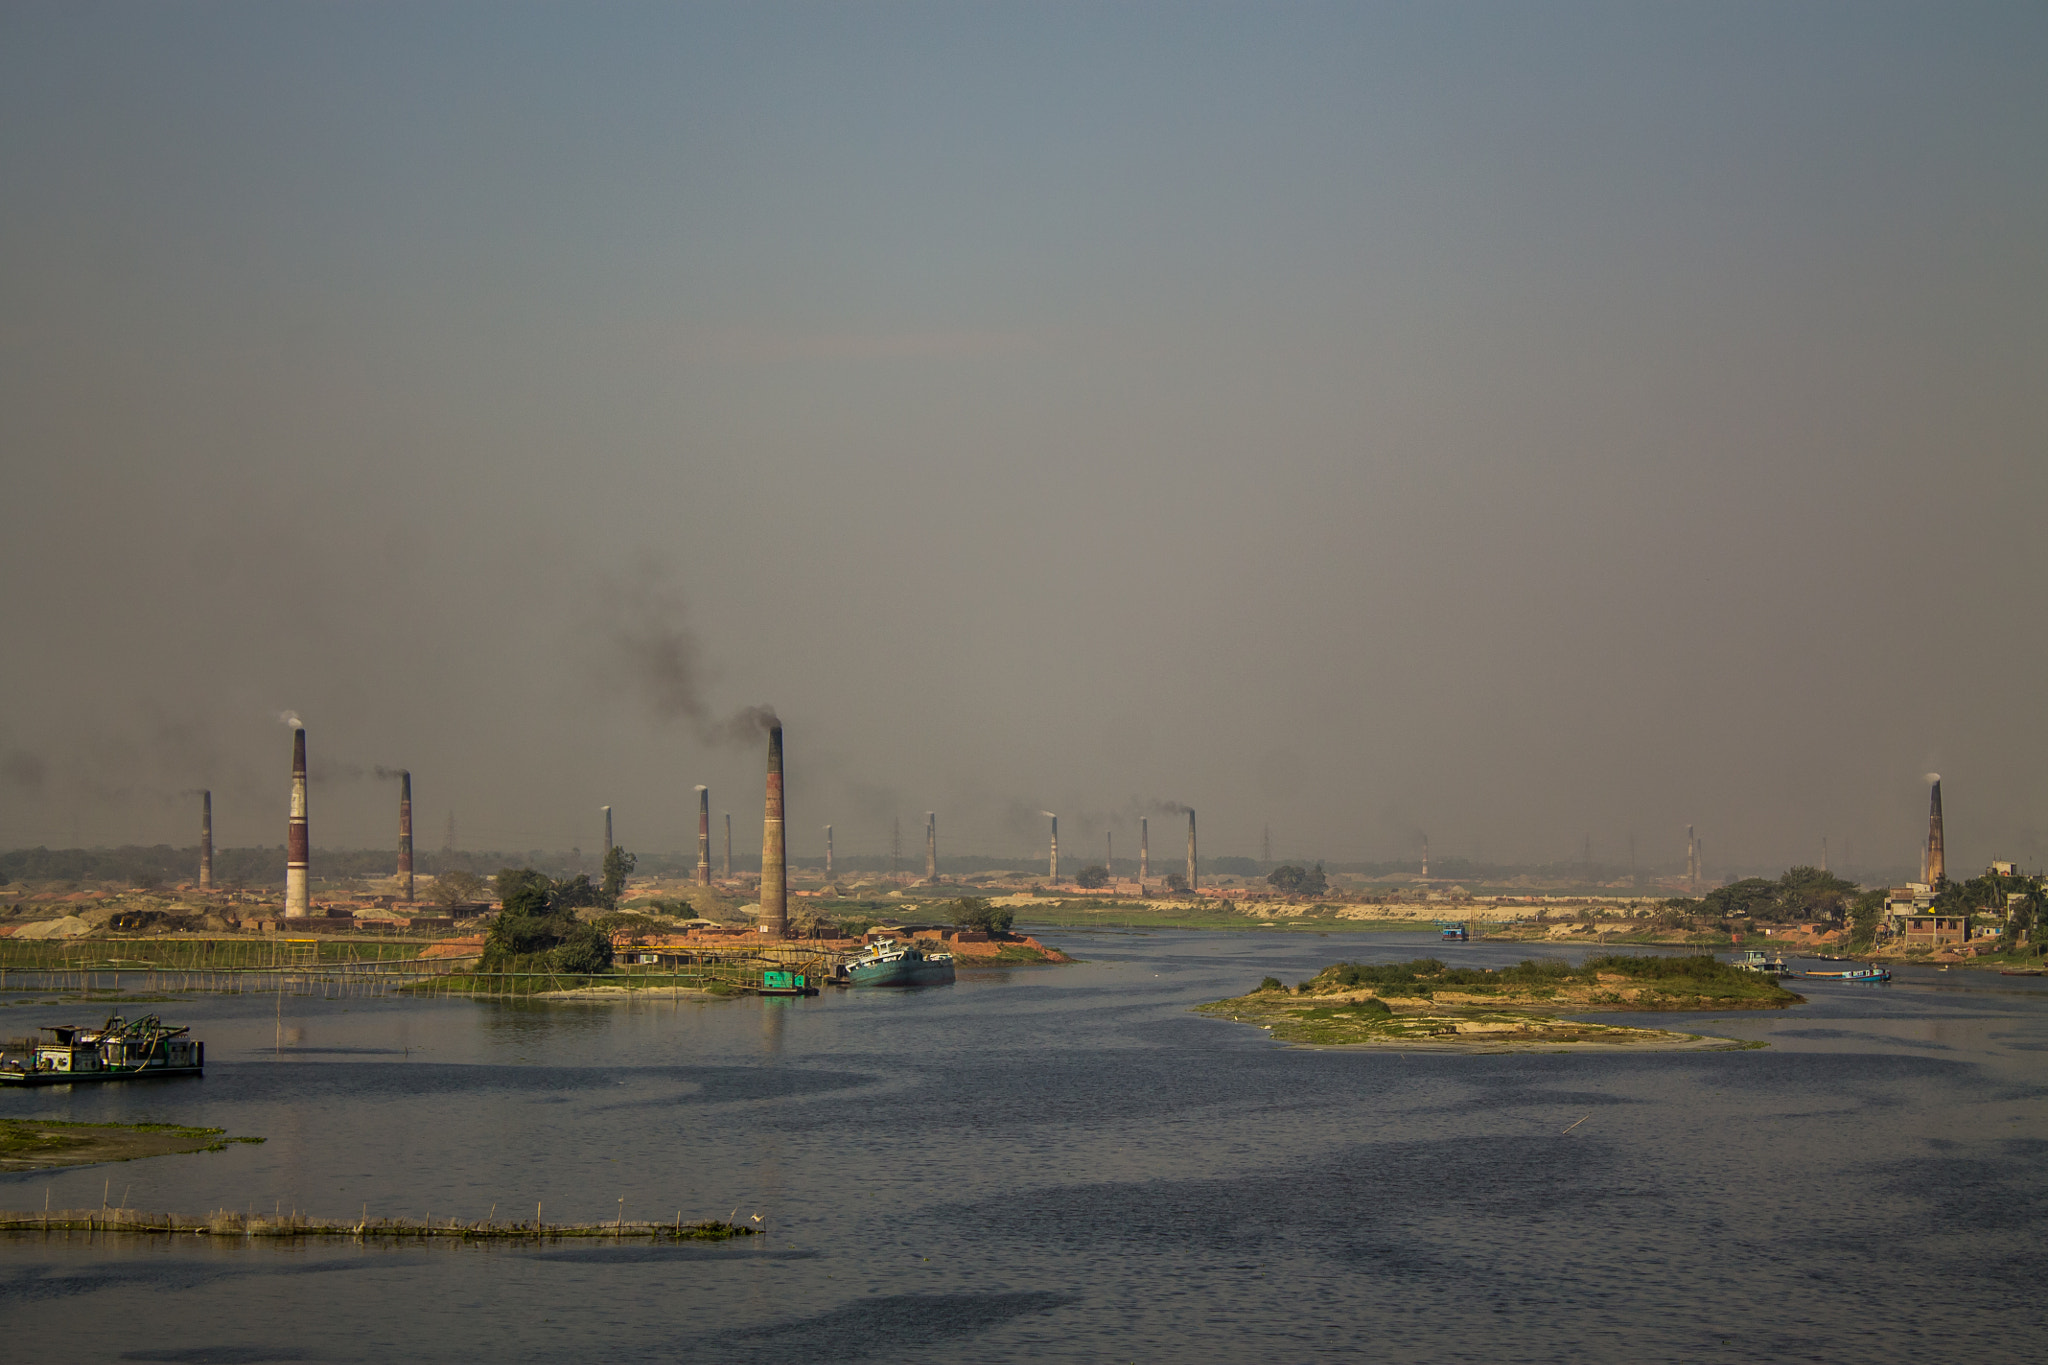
1859	974
889	963
115	1051
1454	931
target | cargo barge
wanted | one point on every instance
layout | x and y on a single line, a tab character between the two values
115	1051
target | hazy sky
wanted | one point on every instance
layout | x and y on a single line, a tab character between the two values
1514	422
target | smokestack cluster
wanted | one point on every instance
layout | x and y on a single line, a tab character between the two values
1144	852
931	846
206	841
405	833
298	845
1935	872
774	855
703	836
1191	849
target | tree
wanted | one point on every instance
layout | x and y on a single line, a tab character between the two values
2025	917
522	891
577	893
618	865
1807	893
1292	879
537	930
972	912
1093	877
1864	913
451	889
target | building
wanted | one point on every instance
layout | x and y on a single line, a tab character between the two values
1909	913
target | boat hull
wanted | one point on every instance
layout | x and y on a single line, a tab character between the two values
12	1077
901	972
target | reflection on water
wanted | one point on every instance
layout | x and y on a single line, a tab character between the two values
1066	1164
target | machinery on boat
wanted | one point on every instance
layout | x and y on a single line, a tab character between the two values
886	962
117	1050
1454	931
1756	961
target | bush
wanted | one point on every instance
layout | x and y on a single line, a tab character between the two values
1272	983
1696	968
1093	877
586	950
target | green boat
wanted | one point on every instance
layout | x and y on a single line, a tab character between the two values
889	963
115	1051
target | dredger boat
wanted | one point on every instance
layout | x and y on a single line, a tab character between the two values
117	1050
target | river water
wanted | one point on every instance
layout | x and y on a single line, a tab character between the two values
1065	1164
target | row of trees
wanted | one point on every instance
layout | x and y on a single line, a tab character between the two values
1095	876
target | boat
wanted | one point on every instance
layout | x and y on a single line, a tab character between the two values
1454	931
886	962
1754	961
1859	974
115	1051
785	983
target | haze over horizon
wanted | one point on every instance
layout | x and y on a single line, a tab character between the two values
1510	423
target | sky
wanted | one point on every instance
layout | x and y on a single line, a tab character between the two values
1514	424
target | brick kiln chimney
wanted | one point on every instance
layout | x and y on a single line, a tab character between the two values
774	854
405	833
703	836
1935	873
206	841
297	902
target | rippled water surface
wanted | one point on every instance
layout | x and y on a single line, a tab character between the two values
1066	1164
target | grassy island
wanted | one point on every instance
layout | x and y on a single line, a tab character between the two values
40	1144
1425	1003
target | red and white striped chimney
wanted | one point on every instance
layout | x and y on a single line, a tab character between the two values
297	902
